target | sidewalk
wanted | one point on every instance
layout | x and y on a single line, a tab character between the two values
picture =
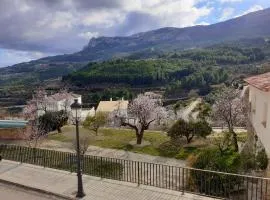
64	184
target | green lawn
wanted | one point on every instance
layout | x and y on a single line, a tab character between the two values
116	138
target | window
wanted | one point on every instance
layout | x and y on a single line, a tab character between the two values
265	111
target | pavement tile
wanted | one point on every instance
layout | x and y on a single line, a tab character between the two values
65	183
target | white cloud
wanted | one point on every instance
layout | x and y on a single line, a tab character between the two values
177	13
252	9
230	1
10	57
203	23
226	13
106	18
88	35
63	26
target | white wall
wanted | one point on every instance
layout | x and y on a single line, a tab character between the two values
87	112
258	100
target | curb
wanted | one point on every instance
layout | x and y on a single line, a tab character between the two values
64	197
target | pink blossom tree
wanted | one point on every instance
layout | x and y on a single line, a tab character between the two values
230	109
32	133
145	110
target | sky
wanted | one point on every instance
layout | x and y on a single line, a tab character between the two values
31	29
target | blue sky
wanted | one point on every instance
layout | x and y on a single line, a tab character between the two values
31	29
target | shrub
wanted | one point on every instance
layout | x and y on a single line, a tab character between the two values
213	159
248	162
182	128
262	160
168	149
95	122
185	152
53	120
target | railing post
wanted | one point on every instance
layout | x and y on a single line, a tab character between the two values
138	171
183	180
44	158
101	165
20	154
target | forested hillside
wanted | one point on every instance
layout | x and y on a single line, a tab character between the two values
192	67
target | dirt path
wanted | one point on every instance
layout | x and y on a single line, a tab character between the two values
114	153
185	112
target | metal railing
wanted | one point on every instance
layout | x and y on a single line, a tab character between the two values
197	181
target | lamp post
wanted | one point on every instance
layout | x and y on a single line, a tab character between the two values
76	109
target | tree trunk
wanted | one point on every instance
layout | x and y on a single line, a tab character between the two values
59	130
189	138
139	137
234	138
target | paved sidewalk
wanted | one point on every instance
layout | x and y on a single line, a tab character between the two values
11	192
64	183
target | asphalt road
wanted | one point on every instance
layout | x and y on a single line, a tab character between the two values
9	192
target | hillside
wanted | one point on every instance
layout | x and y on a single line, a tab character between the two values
142	45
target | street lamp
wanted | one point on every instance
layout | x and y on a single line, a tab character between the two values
76	109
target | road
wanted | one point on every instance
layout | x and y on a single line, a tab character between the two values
10	192
187	111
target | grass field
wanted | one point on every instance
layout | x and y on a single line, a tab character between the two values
159	142
115	138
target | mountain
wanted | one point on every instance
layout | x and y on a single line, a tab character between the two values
167	39
252	25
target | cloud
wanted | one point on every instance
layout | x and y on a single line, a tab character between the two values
230	1
88	35
61	26
226	13
9	57
252	9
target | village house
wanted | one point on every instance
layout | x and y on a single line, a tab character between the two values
259	104
119	107
62	101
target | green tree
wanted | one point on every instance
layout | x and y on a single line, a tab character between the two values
51	121
182	128
95	122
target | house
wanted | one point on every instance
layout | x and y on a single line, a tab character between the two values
259	107
120	107
62	101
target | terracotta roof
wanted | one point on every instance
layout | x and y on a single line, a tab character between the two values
262	81
110	106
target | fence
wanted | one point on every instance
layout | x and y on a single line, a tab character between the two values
202	182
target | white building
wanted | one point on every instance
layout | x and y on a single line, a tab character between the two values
259	101
119	106
62	101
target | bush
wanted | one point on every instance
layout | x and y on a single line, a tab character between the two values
262	160
182	128
53	120
248	161
168	149
213	159
185	152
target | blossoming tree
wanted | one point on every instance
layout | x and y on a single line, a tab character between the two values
145	110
